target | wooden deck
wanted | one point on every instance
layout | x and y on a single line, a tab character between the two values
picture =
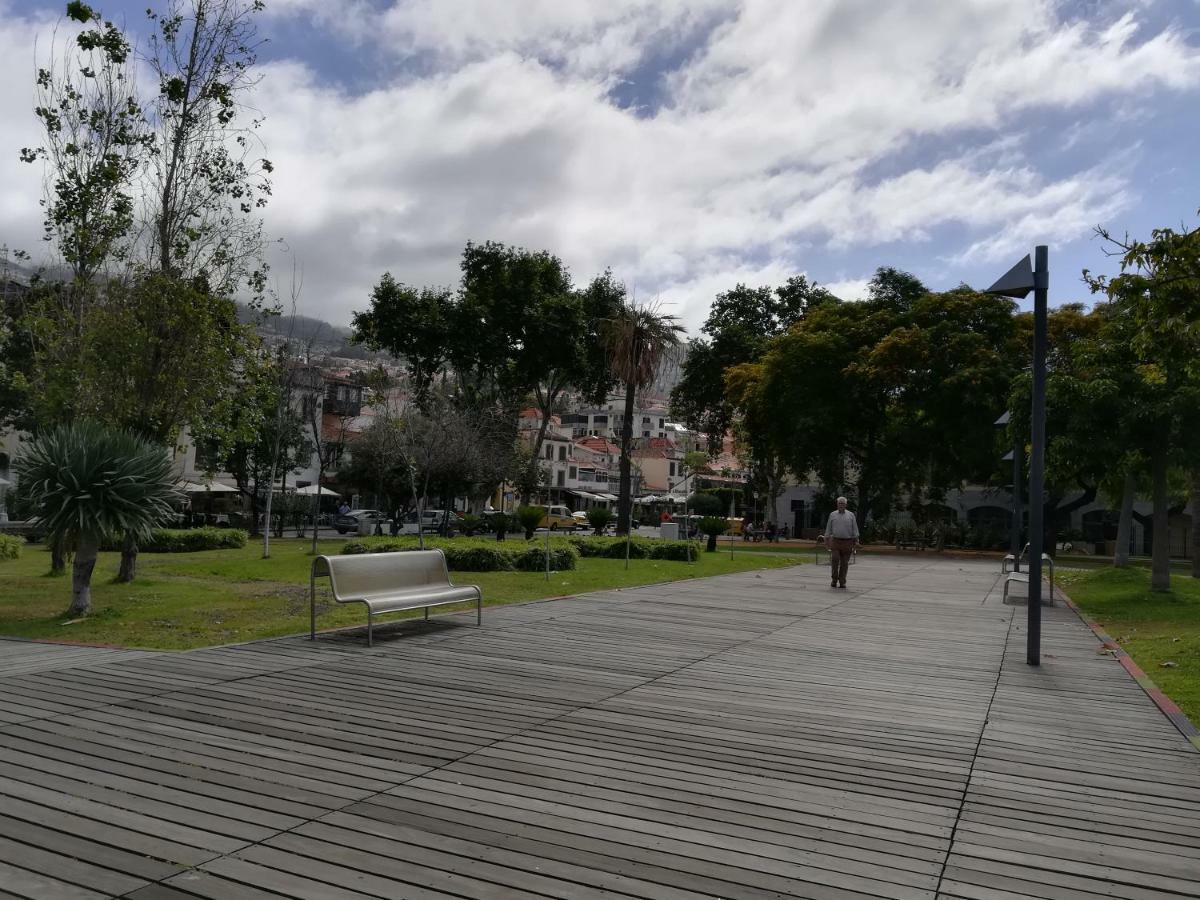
751	736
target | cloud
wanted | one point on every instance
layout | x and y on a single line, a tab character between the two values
781	135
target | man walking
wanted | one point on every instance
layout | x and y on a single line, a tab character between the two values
841	536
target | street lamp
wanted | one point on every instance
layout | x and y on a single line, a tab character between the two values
1017	282
1015	456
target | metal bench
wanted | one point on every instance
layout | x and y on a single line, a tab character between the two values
1012	578
390	582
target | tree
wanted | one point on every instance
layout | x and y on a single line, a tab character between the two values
162	354
412	324
599	517
1156	300
714	527
206	182
636	338
89	483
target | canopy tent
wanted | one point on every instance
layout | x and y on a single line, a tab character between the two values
649	498
312	490
608	497
583	495
201	487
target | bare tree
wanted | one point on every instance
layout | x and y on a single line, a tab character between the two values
206	181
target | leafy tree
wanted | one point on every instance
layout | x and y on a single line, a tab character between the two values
96	140
705	505
1157	302
636	338
530	518
89	483
162	354
415	325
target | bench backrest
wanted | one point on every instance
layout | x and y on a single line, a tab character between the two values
379	574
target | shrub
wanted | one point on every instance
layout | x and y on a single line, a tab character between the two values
533	559
10	547
187	540
530	518
677	551
465	555
599	518
499	525
471	524
713	526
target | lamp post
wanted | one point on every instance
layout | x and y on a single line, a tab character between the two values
1015	456
1017	282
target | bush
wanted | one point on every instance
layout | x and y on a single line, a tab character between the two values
10	547
530	518
533	559
465	555
713	526
676	551
472	524
187	540
599	518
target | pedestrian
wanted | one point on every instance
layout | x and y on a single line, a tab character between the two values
344	508
841	537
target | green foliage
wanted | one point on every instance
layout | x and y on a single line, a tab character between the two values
705	505
599	518
188	540
639	548
472	524
465	555
530	518
89	481
10	547
713	525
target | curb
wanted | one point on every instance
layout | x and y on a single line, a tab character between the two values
1164	703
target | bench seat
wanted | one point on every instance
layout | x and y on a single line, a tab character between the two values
388	583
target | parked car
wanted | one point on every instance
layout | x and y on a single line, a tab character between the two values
558	518
431	522
349	522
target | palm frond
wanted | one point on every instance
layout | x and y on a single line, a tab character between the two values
85	479
637	339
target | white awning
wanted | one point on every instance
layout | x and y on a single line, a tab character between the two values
201	487
608	497
312	489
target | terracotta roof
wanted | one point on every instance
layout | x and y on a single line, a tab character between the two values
597	445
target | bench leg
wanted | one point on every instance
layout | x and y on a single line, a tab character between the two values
427	614
370	629
312	607
479	610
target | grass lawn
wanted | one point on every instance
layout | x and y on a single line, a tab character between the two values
185	600
1153	628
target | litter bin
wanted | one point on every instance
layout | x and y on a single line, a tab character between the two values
669	531
366	527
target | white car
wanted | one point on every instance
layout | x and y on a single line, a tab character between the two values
431	522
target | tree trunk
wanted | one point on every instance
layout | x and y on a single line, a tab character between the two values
712	544
317	509
1160	560
254	511
1125	522
266	532
625	503
1196	523
81	576
129	555
58	557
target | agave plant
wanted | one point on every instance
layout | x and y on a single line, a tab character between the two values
89	483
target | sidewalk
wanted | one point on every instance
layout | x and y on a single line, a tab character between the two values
751	736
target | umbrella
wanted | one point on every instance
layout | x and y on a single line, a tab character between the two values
313	489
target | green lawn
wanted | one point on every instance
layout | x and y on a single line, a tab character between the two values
1153	628
185	600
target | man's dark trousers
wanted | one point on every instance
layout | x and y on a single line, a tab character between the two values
839	559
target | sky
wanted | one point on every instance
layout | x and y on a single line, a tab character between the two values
689	145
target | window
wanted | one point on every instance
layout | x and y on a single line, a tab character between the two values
645	420
549	451
672	467
562	453
562	477
645	434
662	423
572	473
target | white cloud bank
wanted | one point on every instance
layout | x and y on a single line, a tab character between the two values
764	152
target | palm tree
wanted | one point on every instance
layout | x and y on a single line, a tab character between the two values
637	338
90	483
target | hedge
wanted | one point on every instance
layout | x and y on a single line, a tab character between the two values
639	548
10	546
188	540
467	555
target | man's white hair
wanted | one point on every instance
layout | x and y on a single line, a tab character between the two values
842	500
